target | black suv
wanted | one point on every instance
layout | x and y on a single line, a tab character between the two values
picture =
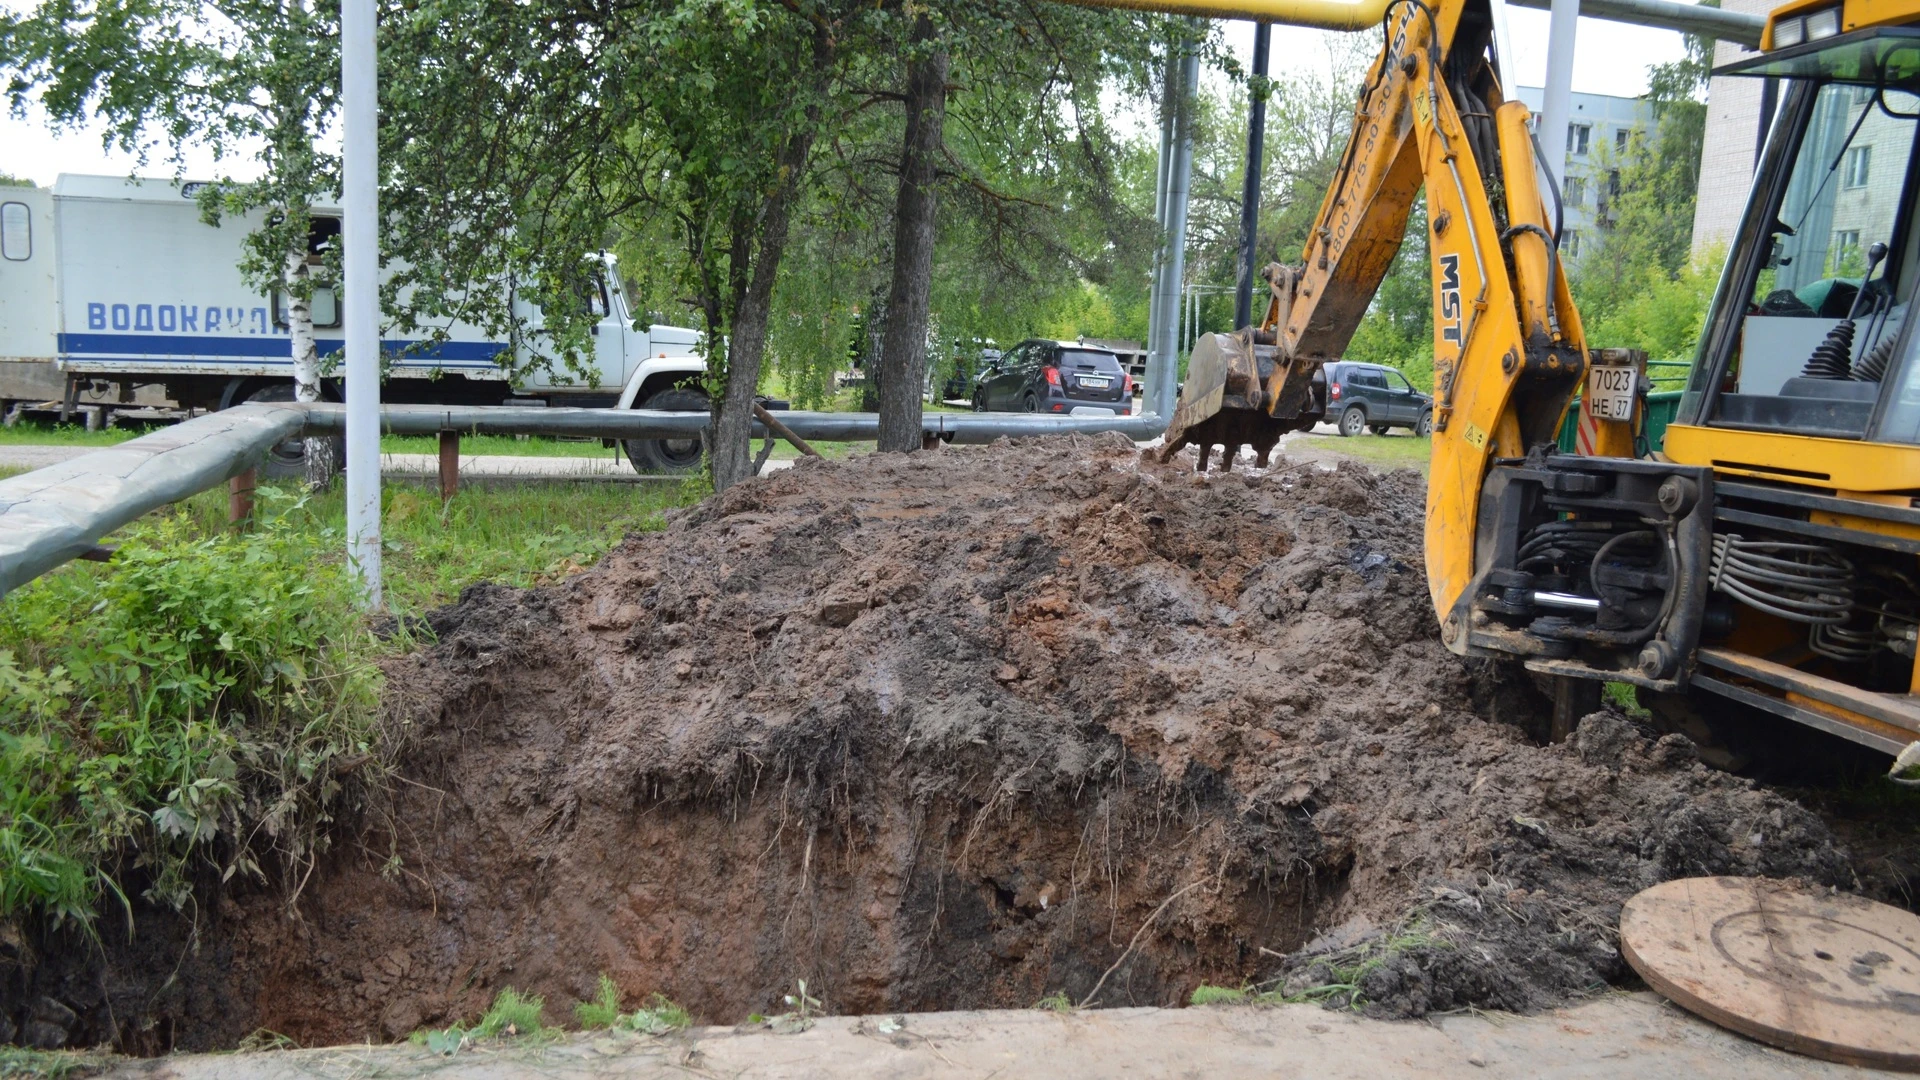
1363	396
1065	377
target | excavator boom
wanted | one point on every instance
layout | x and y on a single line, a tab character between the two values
1762	561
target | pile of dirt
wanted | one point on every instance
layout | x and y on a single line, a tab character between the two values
968	728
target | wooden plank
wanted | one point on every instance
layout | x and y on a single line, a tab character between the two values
1900	710
1824	973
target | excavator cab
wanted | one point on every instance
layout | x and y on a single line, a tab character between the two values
1804	400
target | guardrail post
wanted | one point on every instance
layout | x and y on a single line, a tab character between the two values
240	499
449	464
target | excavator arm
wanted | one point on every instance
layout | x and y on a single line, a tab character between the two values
1590	565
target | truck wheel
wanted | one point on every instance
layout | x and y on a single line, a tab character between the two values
653	456
287	459
1353	421
979	402
1033	403
1425	427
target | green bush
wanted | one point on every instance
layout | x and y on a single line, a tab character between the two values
201	700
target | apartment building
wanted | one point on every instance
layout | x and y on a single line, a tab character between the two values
1600	130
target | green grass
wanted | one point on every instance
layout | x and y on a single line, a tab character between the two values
1394	451
500	446
20	1062
31	433
659	1017
514	534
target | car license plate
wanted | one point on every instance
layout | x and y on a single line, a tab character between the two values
1097	383
1610	392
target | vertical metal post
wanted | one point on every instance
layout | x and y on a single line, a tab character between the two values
1163	361
449	464
1556	104
240	498
1769	101
1250	191
359	94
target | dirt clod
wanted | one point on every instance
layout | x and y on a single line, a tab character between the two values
947	730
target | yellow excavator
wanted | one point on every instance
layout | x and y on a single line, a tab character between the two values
1765	557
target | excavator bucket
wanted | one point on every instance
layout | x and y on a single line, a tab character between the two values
1225	399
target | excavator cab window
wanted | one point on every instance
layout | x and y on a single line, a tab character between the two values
1824	296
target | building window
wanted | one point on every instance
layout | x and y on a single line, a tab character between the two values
1845	240
1613	183
1859	164
1579	138
16	232
1570	243
1620	140
1576	191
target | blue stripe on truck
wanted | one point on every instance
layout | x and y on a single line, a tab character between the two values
189	346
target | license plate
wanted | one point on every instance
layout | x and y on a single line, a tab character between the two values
1095	383
1610	393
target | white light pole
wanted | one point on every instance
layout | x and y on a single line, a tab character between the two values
359	97
1556	100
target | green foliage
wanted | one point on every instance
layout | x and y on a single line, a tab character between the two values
1057	1002
1663	314
1623	696
203	701
183	72
603	1010
1643	289
659	1017
512	1014
1217	995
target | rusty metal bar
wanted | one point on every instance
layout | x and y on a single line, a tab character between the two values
761	414
240	498
449	464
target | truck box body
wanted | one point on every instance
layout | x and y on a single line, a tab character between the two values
124	283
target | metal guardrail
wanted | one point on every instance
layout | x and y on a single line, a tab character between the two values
59	513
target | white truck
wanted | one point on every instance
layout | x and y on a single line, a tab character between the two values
114	290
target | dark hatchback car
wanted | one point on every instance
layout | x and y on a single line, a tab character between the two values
1064	377
1369	396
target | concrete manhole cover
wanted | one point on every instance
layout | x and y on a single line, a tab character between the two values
1826	974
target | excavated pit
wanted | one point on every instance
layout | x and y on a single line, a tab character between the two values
963	729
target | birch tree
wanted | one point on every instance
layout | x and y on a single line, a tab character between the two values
243	77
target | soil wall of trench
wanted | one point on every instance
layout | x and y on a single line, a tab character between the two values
955	729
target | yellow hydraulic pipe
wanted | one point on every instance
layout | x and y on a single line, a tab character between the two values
1525	213
1320	14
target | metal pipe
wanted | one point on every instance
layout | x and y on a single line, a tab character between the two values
360	202
1367	14
1734	26
1250	191
1565	601
1556	103
326	418
58	513
1163	360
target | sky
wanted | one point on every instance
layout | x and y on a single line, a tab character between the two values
1609	58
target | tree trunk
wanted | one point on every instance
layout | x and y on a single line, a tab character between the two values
731	448
321	461
902	364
